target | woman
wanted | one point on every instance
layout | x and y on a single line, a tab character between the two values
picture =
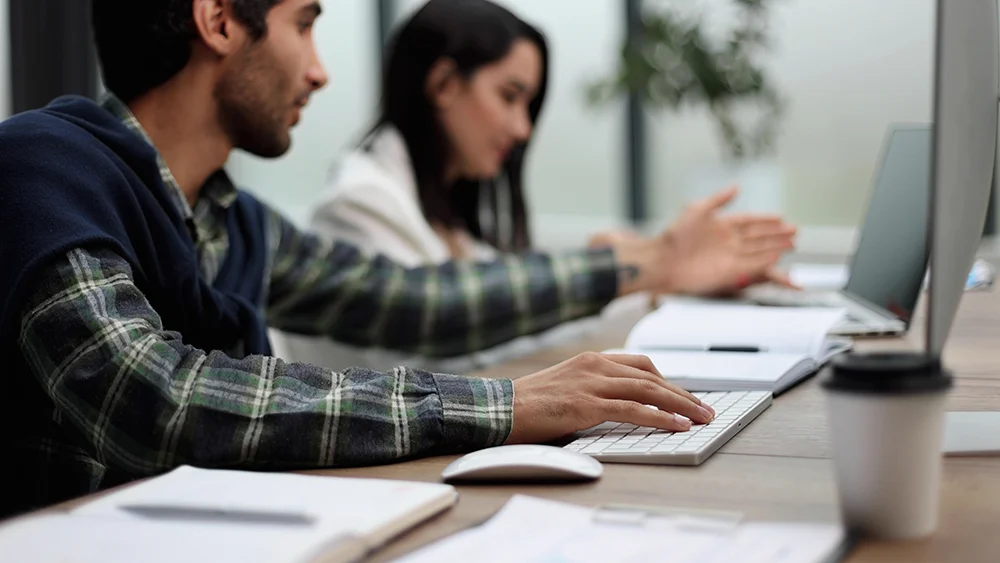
440	177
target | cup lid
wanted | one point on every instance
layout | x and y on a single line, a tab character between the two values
890	373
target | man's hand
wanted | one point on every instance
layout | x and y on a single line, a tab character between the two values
704	253
593	388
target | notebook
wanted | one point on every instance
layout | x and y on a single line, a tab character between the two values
196	515
554	531
721	346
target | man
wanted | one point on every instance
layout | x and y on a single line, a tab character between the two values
136	281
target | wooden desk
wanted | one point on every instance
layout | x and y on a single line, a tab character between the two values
777	468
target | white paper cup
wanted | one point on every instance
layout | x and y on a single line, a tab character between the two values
886	419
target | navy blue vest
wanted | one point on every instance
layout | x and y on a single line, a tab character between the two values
72	175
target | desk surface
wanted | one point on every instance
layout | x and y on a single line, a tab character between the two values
776	468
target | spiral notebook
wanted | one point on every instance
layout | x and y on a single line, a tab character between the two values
718	346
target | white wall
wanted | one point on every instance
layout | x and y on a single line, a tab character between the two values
4	61
849	68
335	118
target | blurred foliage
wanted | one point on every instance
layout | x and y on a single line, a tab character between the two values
672	62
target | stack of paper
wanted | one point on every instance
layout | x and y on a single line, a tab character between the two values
547	531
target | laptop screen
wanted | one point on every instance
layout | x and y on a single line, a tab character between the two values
891	257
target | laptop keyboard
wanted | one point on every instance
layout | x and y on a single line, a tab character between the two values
628	443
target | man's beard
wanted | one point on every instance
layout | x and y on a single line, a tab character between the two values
253	103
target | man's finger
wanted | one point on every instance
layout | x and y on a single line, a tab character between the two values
644	364
631	412
643	391
637	361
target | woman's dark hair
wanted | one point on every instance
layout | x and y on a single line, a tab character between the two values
472	34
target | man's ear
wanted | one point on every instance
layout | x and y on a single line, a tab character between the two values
215	25
443	83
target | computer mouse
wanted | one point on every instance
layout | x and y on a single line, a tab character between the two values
523	463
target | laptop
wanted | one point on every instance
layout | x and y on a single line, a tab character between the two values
888	265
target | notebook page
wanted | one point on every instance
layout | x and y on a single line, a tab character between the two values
699	325
358	507
716	366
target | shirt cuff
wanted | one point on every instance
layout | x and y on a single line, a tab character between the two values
592	281
477	413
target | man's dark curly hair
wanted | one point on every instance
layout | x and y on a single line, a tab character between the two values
143	43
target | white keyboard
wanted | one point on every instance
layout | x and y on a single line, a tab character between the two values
628	443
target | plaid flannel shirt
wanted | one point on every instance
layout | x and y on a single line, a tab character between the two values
100	353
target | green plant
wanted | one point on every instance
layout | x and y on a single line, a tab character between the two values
672	61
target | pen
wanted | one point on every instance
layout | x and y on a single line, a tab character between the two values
233	515
752	349
711	348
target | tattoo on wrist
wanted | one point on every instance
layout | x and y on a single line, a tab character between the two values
628	273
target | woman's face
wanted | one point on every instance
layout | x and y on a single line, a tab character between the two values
486	115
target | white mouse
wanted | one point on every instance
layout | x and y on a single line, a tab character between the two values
523	463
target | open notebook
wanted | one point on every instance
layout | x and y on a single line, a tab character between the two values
719	346
219	516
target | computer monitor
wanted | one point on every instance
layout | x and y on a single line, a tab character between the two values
888	266
963	152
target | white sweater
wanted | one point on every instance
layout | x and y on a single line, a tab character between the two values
371	201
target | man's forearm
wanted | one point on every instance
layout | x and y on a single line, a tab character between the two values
435	311
147	402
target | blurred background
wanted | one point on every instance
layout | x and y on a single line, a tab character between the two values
616	146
